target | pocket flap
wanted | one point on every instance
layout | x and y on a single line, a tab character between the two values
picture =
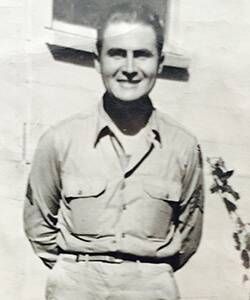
86	187
163	189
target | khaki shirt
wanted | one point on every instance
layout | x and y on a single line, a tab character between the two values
85	196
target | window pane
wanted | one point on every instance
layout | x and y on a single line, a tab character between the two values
85	12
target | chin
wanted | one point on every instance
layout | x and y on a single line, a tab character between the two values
125	99
129	96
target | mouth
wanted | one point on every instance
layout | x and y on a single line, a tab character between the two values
125	82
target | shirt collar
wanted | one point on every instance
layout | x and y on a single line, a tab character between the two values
104	125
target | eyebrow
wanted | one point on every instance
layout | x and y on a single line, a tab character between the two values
117	52
143	53
123	53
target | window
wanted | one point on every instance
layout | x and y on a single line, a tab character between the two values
86	12
72	23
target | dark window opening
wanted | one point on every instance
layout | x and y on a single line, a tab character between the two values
86	12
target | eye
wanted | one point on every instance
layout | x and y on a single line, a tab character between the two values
143	53
117	53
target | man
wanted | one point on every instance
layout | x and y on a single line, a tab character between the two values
115	197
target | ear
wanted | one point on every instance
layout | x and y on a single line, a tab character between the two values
161	63
97	60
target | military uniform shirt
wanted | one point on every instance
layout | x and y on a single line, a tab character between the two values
84	195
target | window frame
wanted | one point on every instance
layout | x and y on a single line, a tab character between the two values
83	38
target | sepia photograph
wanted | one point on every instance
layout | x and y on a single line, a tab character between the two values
125	150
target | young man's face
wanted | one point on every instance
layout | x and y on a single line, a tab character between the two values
129	60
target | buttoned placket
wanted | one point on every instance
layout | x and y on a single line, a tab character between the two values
112	154
118	163
129	167
124	161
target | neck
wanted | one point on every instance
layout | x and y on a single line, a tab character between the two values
129	116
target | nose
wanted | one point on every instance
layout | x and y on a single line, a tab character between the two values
129	69
129	75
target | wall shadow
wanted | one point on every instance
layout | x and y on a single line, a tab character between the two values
174	73
86	59
73	56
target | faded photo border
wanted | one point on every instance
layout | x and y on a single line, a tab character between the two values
47	74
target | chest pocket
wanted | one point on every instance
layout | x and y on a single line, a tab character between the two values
166	190
86	188
160	206
85	199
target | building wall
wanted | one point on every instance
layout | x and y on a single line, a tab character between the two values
38	90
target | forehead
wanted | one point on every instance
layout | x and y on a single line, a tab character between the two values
129	36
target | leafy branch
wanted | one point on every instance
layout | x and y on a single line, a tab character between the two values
230	197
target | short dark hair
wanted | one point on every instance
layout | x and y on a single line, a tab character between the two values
130	12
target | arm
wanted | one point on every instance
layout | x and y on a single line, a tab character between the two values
191	207
42	201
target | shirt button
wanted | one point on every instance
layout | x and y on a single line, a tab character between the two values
80	192
123	235
124	206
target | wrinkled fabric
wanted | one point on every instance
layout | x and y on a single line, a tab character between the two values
70	280
85	195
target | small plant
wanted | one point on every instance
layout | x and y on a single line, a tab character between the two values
230	197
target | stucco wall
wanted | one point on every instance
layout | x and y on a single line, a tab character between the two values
38	90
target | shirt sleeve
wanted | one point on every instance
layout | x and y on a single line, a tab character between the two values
42	201
191	207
